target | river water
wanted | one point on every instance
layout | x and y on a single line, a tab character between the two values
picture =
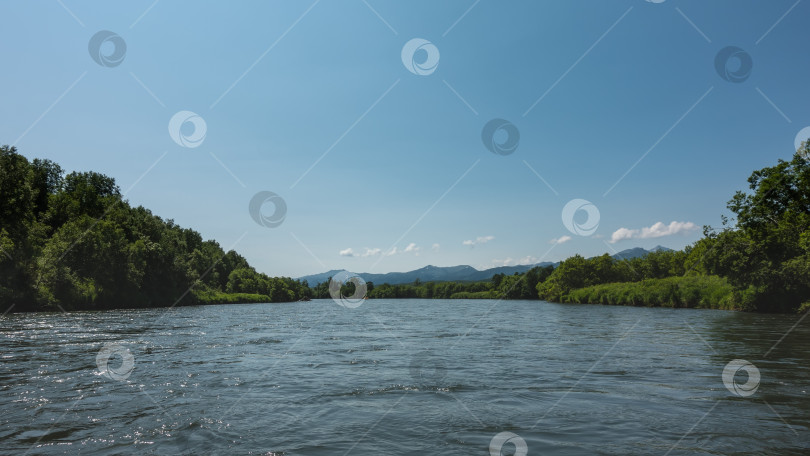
404	377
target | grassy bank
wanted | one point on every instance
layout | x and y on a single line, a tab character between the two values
702	292
218	297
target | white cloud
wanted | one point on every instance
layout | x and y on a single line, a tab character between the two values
512	262
529	260
560	240
655	231
371	252
435	247
507	262
659	229
478	240
412	248
622	234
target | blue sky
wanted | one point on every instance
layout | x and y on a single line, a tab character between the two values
312	101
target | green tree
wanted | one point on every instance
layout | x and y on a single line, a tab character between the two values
766	255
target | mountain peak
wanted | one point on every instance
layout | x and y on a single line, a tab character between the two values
462	272
638	252
430	273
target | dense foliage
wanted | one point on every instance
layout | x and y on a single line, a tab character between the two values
759	261
766	255
72	242
694	291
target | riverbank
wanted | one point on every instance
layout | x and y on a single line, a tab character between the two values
206	297
700	292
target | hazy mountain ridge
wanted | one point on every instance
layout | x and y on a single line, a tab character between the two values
461	273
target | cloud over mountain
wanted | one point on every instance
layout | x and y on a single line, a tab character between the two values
655	231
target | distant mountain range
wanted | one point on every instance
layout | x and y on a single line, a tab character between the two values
463	273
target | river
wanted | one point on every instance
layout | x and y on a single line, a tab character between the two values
405	377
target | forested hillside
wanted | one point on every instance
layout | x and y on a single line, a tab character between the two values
72	242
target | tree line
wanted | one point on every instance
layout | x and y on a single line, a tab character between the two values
72	242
